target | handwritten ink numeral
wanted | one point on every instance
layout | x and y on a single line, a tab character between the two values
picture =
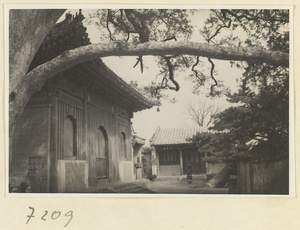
55	215
46	212
31	215
69	214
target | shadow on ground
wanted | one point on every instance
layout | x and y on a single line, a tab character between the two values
182	187
165	186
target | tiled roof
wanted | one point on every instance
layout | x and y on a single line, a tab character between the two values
174	136
70	34
66	35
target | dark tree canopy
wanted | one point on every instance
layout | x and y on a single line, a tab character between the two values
259	126
263	29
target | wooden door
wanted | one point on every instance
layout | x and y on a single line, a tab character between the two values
193	157
102	154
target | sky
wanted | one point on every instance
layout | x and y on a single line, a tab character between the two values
170	114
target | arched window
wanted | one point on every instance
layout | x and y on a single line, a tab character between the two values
69	139
123	152
102	150
102	154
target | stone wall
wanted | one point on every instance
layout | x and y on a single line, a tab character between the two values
73	175
263	177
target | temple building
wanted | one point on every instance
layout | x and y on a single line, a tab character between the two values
172	152
76	131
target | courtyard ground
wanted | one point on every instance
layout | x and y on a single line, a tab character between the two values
162	185
181	186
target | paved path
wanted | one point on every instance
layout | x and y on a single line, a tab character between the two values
164	186
182	187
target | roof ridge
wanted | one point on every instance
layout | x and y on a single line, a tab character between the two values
155	134
173	136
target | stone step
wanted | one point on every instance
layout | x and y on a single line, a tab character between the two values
129	188
194	177
181	177
166	178
135	190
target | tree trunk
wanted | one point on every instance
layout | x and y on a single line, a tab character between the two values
27	29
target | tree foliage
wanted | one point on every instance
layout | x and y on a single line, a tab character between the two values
259	126
162	25
150	25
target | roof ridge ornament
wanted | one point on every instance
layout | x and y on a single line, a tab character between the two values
68	16
78	16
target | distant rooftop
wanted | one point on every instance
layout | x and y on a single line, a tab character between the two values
175	136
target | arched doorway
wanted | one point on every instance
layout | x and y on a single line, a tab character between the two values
102	154
69	139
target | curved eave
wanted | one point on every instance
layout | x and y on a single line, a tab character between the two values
167	145
138	140
125	88
98	79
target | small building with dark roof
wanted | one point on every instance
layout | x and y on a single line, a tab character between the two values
172	151
76	131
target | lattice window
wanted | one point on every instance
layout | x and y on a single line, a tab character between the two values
169	157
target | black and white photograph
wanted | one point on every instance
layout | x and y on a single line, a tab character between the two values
150	101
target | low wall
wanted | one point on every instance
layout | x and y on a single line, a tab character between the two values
263	177
72	175
169	170
126	171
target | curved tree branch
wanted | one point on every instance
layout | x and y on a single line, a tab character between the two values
212	74
139	24
35	79
139	60
171	38
193	67
171	74
107	26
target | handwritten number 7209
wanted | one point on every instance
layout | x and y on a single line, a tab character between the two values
55	215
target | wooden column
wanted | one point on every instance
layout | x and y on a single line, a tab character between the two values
181	161
206	164
84	154
54	133
153	156
85	135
